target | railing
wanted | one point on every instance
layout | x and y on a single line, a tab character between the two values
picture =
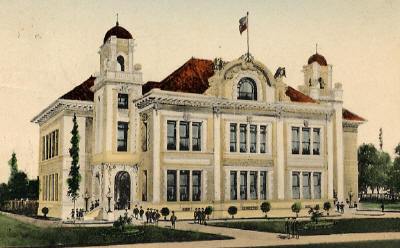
24	207
123	76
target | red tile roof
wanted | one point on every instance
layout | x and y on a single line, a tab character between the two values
81	92
297	96
348	115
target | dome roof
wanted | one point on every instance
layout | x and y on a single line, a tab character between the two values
118	31
317	58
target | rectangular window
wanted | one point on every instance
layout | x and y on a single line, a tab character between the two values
316	141
296	185
171	185
253	185
243	185
56	142
196	136
144	186
317	185
263	185
184	185
47	146
233	137
47	188
253	138
243	138
56	187
43	148
144	137
184	136
122	138
233	183
44	188
306	141
306	185
196	186
263	139
295	140
123	101
171	135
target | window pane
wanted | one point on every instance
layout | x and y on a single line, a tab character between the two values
247	89
184	136
171	185
317	185
233	137
196	187
243	138
263	139
243	185
196	136
295	140
253	138
306	141
233	185
123	101
144	186
306	185
316	141
122	138
171	135
184	185
253	185
263	185
295	185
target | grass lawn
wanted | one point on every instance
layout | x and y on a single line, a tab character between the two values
358	244
327	226
377	205
15	233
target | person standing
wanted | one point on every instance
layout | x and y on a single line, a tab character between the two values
141	212
173	219
136	212
383	206
147	216
337	206
195	216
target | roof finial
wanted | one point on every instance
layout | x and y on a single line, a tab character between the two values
316	48
117	20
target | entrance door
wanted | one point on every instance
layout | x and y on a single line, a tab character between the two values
122	190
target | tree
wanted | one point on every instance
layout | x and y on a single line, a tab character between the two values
367	159
327	207
74	175
13	164
18	185
232	210
33	189
296	207
4	193
165	212
45	211
395	171
265	207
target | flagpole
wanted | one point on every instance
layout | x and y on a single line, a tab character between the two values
248	49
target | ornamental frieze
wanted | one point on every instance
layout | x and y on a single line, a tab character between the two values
247	162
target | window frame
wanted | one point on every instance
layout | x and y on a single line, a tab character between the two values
172	187
170	146
123	127
123	101
243	95
196	197
196	141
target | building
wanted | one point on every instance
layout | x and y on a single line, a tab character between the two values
216	133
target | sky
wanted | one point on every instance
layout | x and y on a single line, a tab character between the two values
48	47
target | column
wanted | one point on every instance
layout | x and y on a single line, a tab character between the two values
156	156
217	153
339	150
280	166
330	158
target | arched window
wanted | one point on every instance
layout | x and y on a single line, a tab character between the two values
121	62
247	89
321	83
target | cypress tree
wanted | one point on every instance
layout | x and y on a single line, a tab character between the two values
74	175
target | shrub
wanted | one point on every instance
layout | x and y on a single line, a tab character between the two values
232	210
122	222
315	213
265	207
164	212
45	211
296	207
208	211
327	207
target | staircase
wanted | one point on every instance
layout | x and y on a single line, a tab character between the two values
93	214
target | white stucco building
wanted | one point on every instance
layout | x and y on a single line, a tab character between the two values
213	132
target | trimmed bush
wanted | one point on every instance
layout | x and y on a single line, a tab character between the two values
164	212
327	207
265	208
296	207
208	211
45	211
232	210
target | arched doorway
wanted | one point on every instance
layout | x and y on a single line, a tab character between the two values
122	190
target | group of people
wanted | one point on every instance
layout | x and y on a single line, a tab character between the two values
200	216
77	213
292	228
340	207
94	204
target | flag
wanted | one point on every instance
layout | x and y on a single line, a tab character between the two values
242	24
